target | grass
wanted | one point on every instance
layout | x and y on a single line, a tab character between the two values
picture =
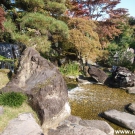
12	99
11	113
4	79
70	69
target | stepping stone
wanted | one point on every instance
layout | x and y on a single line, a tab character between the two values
121	118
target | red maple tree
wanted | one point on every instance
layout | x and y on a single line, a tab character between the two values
109	28
94	9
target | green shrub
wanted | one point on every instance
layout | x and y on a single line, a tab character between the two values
70	69
12	99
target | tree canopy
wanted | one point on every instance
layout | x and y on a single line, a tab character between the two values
84	27
84	37
94	9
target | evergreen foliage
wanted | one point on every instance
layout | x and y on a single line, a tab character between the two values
30	5
33	23
55	7
44	24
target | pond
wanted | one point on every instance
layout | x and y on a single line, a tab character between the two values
90	100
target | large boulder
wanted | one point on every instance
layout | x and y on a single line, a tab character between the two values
76	126
24	124
122	77
120	118
98	74
44	85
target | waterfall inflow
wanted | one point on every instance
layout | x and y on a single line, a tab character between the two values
10	52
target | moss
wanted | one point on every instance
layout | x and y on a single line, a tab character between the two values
43	84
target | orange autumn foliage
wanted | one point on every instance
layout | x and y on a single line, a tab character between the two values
84	38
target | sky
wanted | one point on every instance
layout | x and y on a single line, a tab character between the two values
128	4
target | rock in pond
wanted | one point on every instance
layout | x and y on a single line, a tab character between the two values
131	90
122	77
76	126
121	118
131	108
98	74
44	85
24	124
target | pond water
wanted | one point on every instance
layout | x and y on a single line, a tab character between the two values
88	101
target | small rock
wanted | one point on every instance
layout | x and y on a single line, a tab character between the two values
121	118
131	90
99	124
131	108
83	80
25	124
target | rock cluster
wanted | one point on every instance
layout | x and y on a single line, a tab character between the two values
76	126
122	77
44	85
